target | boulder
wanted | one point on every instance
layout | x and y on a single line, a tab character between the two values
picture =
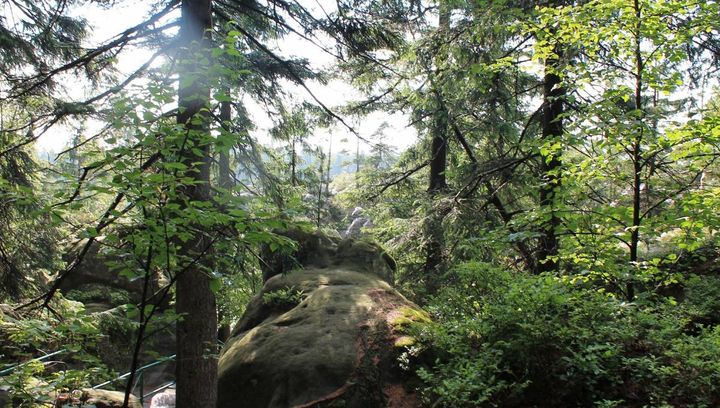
96	398
93	274
326	333
97	280
96	283
165	399
357	223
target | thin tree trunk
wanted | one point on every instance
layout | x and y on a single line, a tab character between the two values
637	158
224	179
357	163
143	320
327	172
552	130
293	164
320	187
225	182
196	367
494	198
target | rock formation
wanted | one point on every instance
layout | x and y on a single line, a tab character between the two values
357	223
96	398
165	399
326	330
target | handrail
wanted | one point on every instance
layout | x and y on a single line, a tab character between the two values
16	366
139	370
157	390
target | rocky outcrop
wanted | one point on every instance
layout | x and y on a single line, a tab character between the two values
97	284
326	333
357	223
93	273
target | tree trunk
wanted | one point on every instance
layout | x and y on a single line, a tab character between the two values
196	367
327	172
434	235
293	164
321	167
552	130
637	157
357	163
225	182
224	179
438	149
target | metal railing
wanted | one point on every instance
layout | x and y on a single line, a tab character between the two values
141	379
157	390
139	372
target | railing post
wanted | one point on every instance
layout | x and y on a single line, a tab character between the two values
142	388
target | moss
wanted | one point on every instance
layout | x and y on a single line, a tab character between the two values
409	315
405	316
334	347
405	341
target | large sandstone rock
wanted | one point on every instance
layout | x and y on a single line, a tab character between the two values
96	398
326	334
97	284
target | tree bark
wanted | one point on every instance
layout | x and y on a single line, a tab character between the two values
319	207
636	155
550	167
196	367
225	182
434	235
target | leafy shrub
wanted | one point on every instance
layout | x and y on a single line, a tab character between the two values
503	339
702	299
284	297
96	293
25	337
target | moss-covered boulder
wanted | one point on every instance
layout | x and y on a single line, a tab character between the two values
325	334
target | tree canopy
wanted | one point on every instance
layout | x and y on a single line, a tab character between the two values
556	214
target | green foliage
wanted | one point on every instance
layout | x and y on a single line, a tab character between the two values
26	337
636	192
284	297
507	339
632	164
702	300
99	293
39	35
241	280
28	241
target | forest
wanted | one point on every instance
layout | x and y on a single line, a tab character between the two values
359	203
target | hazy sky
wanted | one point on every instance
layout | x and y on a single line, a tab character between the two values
108	23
